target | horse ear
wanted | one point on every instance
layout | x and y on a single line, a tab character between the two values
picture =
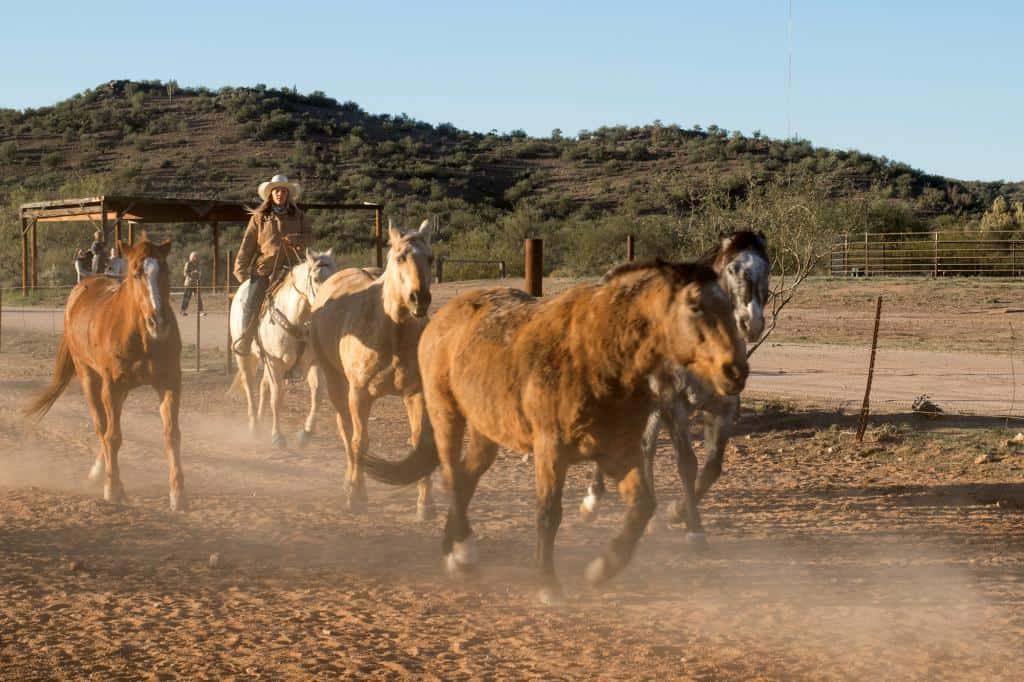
393	233
329	253
425	230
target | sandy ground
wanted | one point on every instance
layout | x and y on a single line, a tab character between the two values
899	558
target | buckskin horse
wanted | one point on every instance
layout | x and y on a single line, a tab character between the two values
120	334
364	330
281	337
741	261
565	378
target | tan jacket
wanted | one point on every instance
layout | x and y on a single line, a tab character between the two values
263	240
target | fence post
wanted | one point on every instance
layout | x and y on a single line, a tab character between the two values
866	255
883	256
197	325
440	269
865	409
227	354
534	251
630	250
1	320
501	269
935	254
846	254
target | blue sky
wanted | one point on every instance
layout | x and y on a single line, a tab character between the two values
938	85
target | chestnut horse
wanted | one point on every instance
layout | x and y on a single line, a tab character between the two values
364	331
119	334
741	261
566	379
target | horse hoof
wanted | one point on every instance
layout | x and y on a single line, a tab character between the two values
355	504
597	571
697	541
97	470
675	512
303	437
462	558
114	495
278	441
179	502
588	508
425	512
551	596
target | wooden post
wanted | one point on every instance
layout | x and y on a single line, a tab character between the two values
131	233
846	254
196	309
227	354
440	269
534	249
24	256
866	259
1	319
630	250
117	230
35	255
865	408
378	235
227	272
216	255
935	254
883	256
501	269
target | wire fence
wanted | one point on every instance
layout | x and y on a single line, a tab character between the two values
932	254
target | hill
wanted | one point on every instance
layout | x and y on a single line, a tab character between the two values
157	138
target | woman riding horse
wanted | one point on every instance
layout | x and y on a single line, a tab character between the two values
275	239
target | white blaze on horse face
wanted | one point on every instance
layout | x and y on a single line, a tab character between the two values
151	266
746	279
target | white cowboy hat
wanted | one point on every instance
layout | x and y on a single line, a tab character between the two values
279	181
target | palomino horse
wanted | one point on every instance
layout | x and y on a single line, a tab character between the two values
565	379
281	338
119	334
741	261
364	331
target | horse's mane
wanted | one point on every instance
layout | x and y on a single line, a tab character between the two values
679	273
743	240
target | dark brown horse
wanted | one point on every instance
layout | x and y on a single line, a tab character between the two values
566	379
119	334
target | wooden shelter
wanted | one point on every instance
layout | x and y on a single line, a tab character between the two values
120	211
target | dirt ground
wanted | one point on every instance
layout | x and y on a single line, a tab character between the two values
898	558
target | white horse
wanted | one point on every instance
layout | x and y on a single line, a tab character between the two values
741	261
282	342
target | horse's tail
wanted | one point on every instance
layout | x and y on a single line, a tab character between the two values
420	462
63	370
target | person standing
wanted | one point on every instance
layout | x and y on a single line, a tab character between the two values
83	264
192	281
99	253
116	265
275	239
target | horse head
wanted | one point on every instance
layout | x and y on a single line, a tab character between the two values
408	269
149	277
314	271
702	332
744	270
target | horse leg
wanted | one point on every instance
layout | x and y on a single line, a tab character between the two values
359	415
716	435
170	402
677	417
592	500
414	407
91	389
275	370
313	381
112	398
550	479
640	508
247	366
457	543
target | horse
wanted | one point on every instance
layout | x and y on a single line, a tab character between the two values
120	334
566	380
741	261
364	331
281	338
